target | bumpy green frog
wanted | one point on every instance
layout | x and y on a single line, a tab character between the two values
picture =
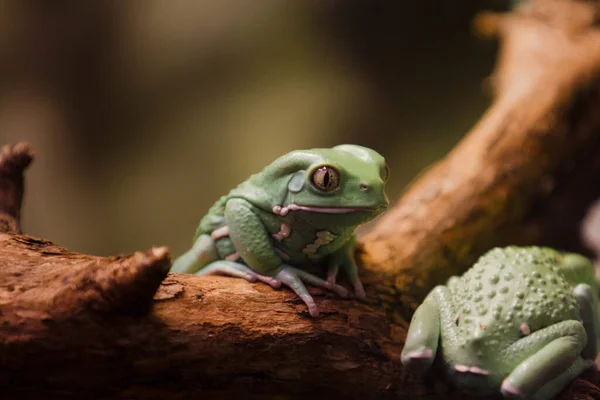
522	321
301	210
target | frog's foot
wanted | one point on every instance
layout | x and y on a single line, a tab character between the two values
294	278
418	361
318	282
332	273
509	391
359	291
237	270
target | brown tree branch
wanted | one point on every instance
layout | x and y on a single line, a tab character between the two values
542	123
73	325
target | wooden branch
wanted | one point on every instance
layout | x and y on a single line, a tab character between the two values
79	326
543	121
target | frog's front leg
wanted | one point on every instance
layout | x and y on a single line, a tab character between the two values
434	314
254	245
202	253
344	258
555	350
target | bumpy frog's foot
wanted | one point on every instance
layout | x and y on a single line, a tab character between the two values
237	270
332	273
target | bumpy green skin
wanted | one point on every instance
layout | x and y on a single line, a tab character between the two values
277	222
521	321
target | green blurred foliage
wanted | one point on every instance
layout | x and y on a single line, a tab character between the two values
142	113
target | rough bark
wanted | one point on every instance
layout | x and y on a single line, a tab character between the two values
75	326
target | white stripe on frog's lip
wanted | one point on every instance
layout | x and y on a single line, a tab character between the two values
471	369
279	210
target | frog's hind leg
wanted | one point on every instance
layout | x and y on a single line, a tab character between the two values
553	350
237	270
202	253
424	331
555	386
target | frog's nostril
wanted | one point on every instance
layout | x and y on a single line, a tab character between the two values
364	186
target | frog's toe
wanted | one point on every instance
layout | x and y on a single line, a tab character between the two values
510	391
332	273
337	289
420	354
418	361
289	278
359	291
316	281
274	283
229	268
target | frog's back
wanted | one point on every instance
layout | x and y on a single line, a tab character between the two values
513	286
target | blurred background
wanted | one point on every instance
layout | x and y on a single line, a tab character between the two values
143	112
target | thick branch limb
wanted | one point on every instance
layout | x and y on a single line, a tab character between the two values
75	325
543	121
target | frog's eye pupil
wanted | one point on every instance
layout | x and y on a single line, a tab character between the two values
326	178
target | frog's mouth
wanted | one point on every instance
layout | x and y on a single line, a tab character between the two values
279	210
330	210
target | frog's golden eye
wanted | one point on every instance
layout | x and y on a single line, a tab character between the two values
386	172
326	178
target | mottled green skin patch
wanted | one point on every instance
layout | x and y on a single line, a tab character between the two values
503	290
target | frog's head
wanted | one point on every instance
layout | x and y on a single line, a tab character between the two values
346	179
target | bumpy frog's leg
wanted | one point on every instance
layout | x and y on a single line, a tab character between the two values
553	350
424	332
254	245
202	252
344	258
